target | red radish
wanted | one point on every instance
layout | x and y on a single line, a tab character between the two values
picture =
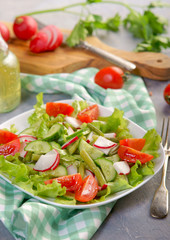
57	38
102	187
69	142
70	131
25	27
90	137
39	43
4	31
23	153
122	167
88	172
110	135
73	121
48	161
104	145
27	138
71	169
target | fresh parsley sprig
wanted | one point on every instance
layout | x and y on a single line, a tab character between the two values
147	26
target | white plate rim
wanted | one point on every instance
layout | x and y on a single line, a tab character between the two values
109	199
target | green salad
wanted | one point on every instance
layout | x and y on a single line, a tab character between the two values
71	155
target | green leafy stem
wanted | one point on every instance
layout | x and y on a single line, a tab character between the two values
148	26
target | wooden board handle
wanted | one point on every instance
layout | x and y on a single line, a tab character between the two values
148	64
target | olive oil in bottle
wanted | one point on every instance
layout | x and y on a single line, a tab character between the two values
10	85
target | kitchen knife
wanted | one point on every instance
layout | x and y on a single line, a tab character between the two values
102	53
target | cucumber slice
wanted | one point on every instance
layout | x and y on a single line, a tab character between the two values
60	171
93	152
27	131
55	132
107	168
39	147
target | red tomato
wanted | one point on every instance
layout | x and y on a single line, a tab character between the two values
53	109
25	27
89	114
136	143
10	148
167	93
88	189
6	136
4	31
71	182
131	155
110	77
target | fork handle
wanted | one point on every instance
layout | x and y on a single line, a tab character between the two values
159	206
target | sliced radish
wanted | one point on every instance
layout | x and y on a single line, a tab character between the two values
22	152
73	121
48	161
102	187
90	137
27	138
49	34
71	169
104	144
70	131
88	172
69	142
57	37
122	167
110	135
39	42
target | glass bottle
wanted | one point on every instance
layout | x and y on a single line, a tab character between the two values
10	84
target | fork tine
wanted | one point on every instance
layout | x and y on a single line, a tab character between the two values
163	123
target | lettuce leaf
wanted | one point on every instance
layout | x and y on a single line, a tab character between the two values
78	106
139	171
116	123
152	143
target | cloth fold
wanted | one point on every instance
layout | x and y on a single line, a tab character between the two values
26	217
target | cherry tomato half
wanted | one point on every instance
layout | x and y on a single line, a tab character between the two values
53	109
110	77
10	148
88	189
71	182
136	143
167	93
6	136
89	114
131	155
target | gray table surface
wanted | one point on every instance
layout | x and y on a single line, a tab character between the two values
130	218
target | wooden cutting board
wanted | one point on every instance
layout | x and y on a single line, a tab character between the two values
64	59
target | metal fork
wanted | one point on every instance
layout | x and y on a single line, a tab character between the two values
159	206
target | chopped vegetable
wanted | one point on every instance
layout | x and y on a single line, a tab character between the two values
53	109
136	143
6	136
89	114
88	190
10	148
131	155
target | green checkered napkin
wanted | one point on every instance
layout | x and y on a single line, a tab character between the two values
26	217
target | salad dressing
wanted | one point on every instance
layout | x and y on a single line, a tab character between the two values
10	85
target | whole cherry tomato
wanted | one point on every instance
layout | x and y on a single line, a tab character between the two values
4	31
167	93
110	77
25	27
